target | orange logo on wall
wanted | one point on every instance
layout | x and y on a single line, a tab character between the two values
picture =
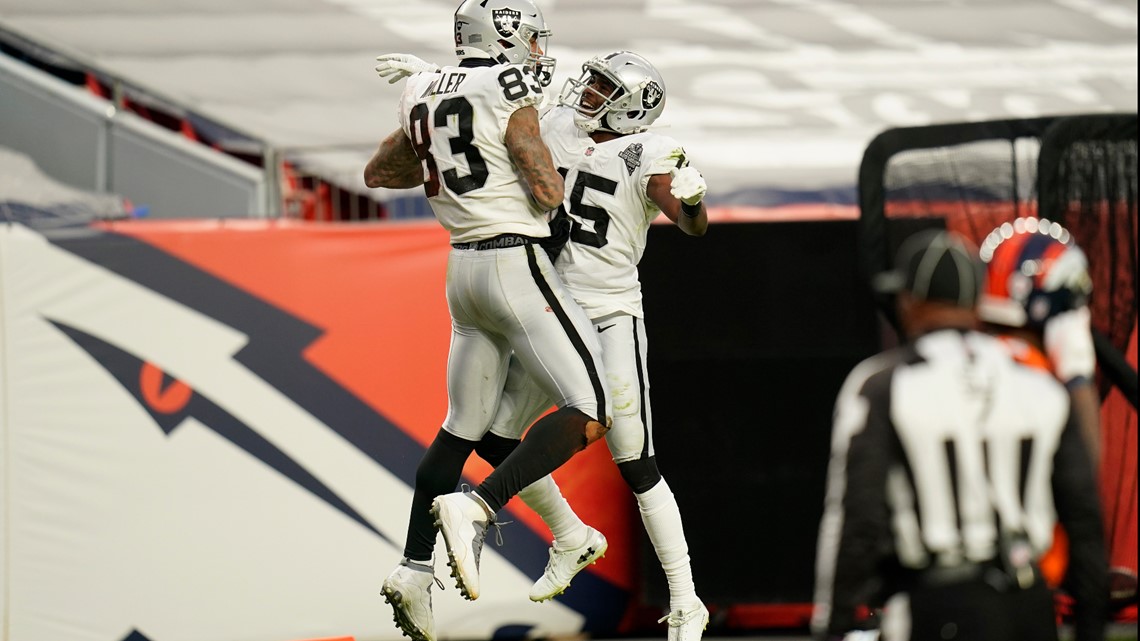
162	399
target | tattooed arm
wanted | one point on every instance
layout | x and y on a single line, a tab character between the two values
394	164
532	157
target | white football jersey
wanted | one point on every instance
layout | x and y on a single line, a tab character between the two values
457	120
609	210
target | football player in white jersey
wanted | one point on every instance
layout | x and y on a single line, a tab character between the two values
469	134
619	178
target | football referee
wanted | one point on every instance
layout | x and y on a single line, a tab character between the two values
950	464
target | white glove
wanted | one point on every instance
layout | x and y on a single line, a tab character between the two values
862	635
688	185
1069	344
397	66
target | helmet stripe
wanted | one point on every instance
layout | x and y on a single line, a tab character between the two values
1052	252
1033	249
1006	257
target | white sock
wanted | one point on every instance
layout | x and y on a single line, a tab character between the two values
662	519
429	564
544	497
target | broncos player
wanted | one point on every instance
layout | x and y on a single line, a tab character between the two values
469	134
619	178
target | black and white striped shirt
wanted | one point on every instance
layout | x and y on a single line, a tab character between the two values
938	449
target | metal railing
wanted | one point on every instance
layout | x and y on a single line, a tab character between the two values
312	183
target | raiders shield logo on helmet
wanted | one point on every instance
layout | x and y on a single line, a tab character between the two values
506	21
652	95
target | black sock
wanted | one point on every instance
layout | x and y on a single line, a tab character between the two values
549	443
438	473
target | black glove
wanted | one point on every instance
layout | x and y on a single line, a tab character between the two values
559	234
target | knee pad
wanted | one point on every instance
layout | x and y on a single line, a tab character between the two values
640	474
495	449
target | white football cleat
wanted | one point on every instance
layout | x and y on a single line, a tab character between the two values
687	625
463	518
408	590
565	564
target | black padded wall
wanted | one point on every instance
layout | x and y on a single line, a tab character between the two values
752	330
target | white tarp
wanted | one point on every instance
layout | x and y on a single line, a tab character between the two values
21	181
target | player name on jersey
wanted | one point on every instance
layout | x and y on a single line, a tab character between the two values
445	84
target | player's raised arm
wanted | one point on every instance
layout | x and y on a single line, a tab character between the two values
680	195
394	165
532	157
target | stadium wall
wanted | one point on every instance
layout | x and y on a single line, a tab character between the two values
85	142
211	431
211	428
752	330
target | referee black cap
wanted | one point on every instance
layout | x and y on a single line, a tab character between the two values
935	265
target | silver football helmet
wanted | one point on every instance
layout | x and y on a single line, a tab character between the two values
636	100
503	30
